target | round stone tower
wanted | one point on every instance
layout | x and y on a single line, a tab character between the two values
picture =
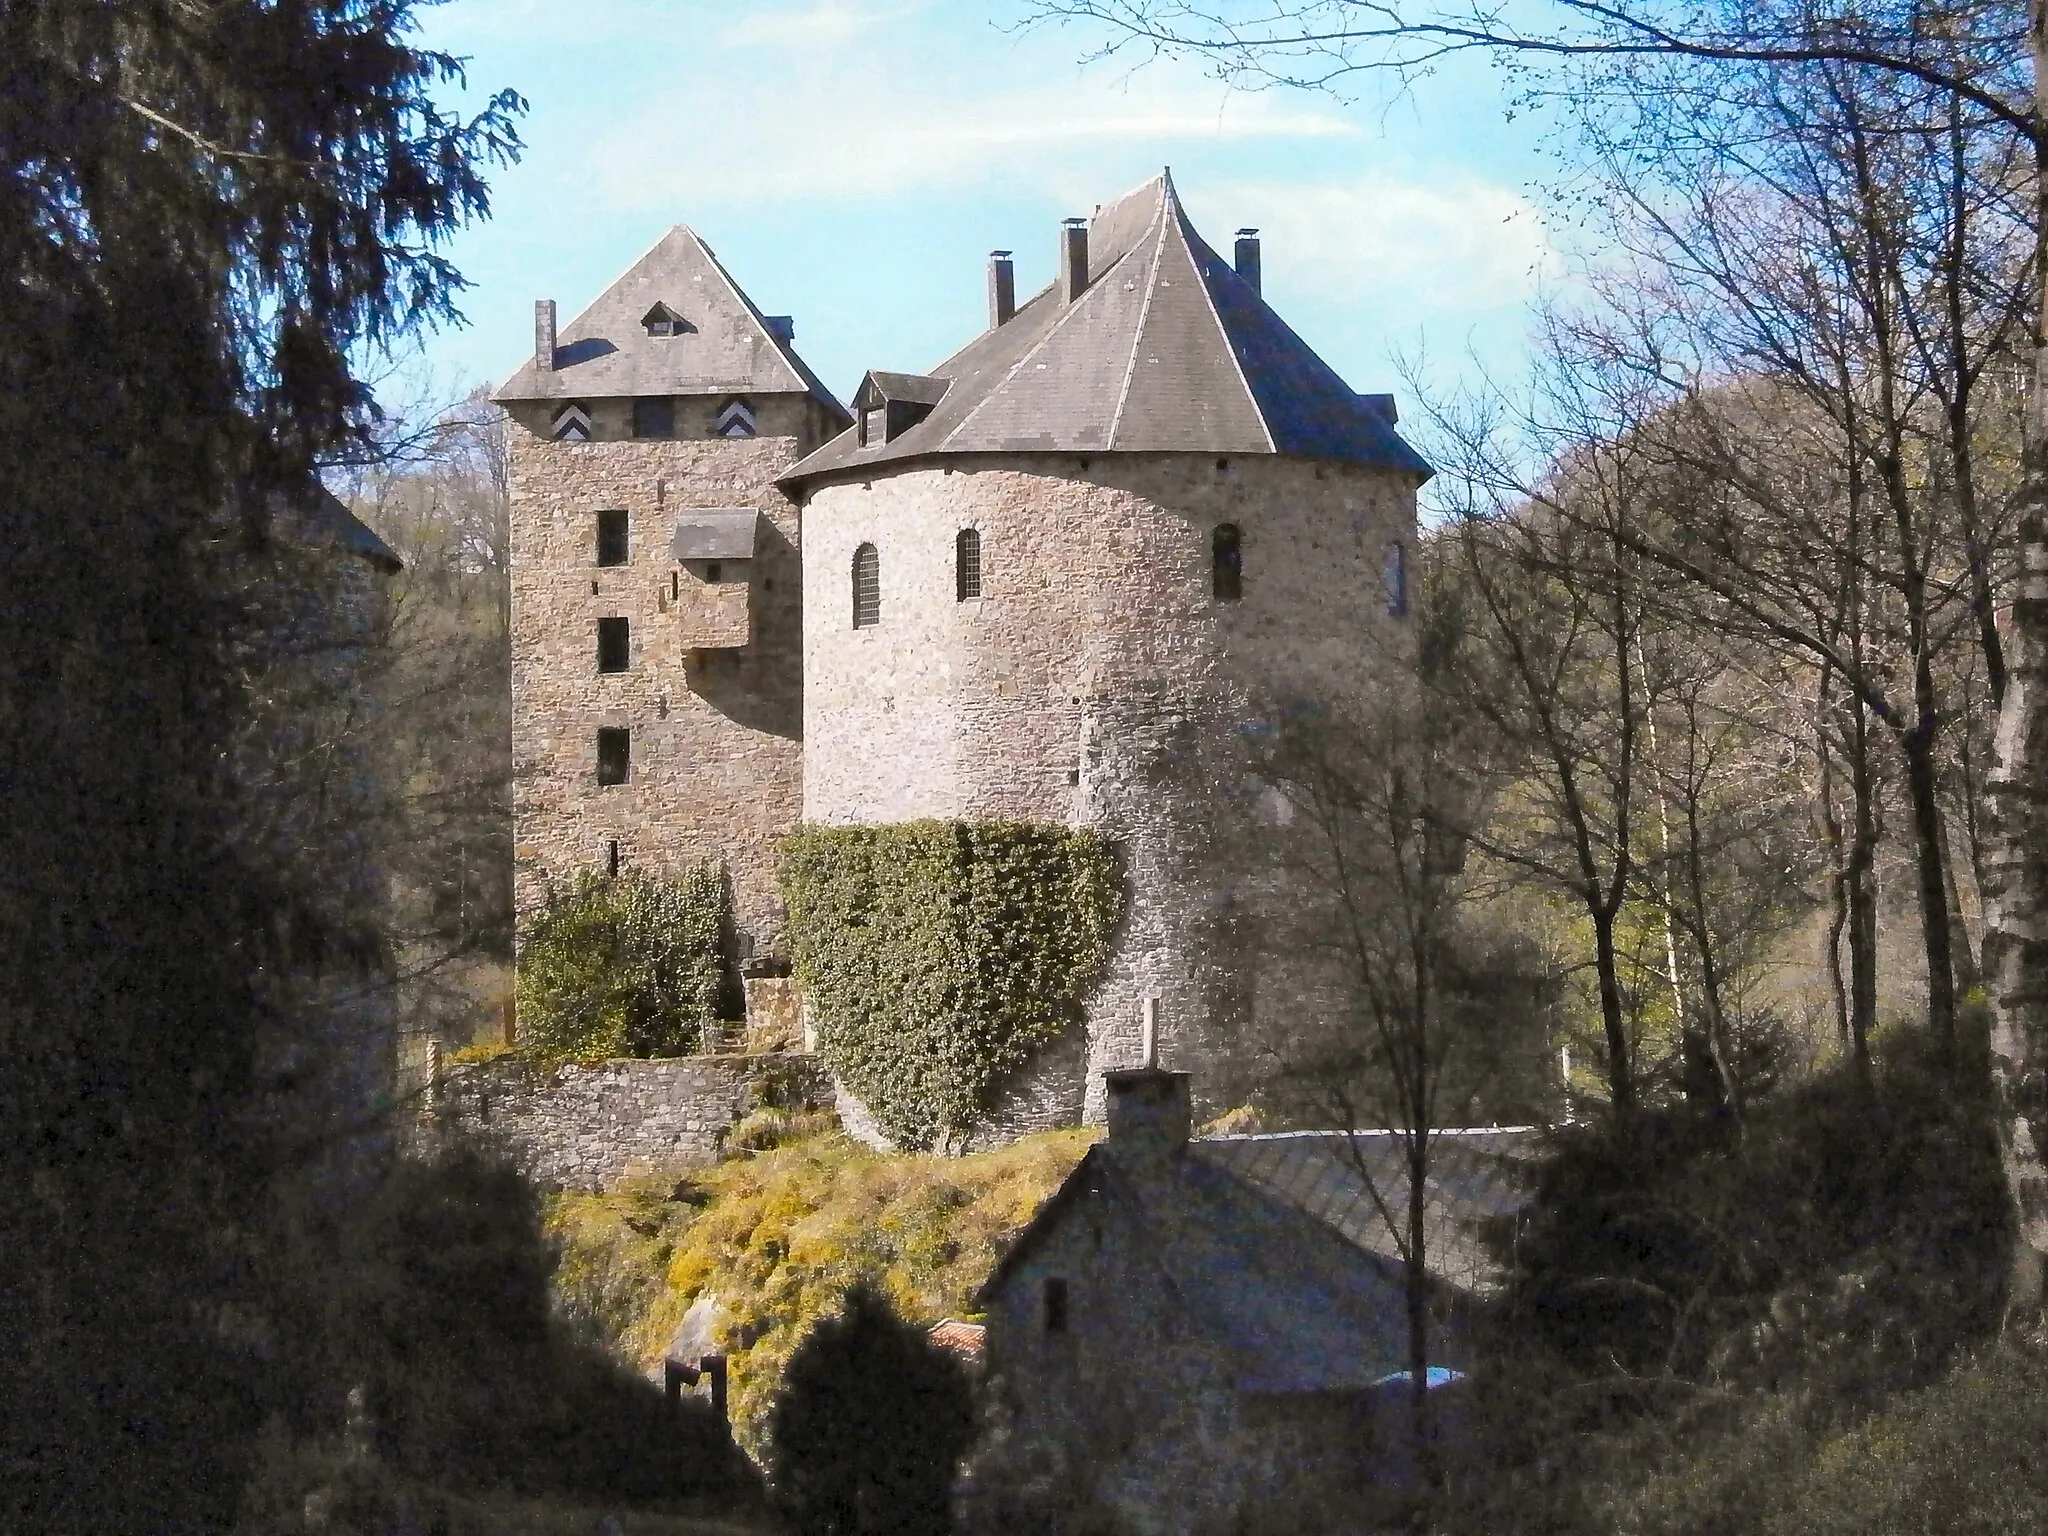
1053	579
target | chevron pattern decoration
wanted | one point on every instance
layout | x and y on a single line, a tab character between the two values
734	419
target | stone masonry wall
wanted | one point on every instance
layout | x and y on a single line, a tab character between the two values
1097	682
716	757
587	1126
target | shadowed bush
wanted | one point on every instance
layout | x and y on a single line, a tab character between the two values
870	1423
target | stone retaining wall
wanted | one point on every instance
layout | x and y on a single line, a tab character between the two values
586	1126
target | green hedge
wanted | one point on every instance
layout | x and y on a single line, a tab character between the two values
623	967
936	956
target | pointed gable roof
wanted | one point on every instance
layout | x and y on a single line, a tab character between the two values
1166	350
728	347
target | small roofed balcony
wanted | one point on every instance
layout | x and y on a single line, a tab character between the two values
712	599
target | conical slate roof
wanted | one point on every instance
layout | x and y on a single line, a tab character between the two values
1166	350
724	346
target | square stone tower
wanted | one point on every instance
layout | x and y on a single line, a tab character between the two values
657	624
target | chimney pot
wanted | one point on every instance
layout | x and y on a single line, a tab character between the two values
1247	262
544	335
1149	1110
1002	288
1073	259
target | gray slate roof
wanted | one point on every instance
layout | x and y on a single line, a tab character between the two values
1474	1177
715	533
730	348
1167	350
1272	1246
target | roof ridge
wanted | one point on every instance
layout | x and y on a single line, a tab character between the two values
1209	302
746	303
1123	393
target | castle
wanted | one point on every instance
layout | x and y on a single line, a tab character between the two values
1038	582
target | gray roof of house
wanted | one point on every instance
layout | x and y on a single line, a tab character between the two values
715	533
1273	1245
729	348
1166	350
1474	1178
325	516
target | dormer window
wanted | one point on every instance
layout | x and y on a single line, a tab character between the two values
735	418
571	424
663	321
887	405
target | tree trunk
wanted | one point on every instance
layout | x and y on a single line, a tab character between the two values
1620	1070
2016	898
1931	871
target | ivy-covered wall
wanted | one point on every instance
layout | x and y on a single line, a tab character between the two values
936	956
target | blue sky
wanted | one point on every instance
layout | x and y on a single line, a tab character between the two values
854	161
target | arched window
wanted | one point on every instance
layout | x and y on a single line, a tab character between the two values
1394	572
867	587
967	564
1227	568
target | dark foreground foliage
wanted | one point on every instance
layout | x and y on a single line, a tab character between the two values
1709	1290
437	1306
871	1420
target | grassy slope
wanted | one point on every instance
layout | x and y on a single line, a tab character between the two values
778	1237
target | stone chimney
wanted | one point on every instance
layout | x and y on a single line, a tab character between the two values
1002	288
1073	259
1149	1110
544	335
1247	262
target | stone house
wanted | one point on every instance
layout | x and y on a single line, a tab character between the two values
1047	579
1209	1335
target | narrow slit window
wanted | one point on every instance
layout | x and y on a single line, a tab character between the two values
867	587
967	564
1395	574
611	858
614	645
614	754
1055	1306
611	536
1227	563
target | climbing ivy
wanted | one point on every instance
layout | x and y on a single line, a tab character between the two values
936	956
627	966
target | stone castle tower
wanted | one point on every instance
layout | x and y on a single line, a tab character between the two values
657	625
1045	580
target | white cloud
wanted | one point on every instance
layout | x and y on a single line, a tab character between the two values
1452	246
875	117
825	24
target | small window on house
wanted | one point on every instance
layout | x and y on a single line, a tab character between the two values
713	571
614	753
1395	574
654	418
611	858
611	537
1055	1305
867	587
967	564
1227	563
614	644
